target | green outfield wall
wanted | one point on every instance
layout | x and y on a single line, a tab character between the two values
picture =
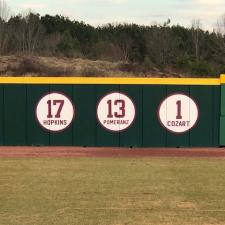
121	112
222	111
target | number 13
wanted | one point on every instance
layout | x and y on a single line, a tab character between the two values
121	112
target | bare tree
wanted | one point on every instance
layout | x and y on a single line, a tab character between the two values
160	44
27	32
220	25
125	42
196	29
4	15
220	33
34	30
4	10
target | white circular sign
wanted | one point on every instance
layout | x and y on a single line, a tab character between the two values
178	113
55	112
116	111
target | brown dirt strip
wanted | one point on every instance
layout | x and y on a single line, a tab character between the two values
35	152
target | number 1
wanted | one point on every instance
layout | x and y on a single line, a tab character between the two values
179	116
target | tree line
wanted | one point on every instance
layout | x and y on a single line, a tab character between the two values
189	50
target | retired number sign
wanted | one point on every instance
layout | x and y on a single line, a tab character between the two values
116	111
55	112
178	113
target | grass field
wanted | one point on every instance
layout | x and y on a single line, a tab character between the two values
99	191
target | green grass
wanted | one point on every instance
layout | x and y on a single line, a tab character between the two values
93	191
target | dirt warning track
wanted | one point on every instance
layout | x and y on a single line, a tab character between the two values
35	152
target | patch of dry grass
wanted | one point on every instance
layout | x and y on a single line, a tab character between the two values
56	66
94	191
53	66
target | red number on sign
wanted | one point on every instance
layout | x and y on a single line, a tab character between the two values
121	112
110	115
179	116
61	103
59	110
49	102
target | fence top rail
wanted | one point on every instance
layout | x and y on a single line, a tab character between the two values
113	80
222	78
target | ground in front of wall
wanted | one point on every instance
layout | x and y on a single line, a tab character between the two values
83	189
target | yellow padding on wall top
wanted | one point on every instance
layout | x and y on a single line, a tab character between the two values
222	78
112	80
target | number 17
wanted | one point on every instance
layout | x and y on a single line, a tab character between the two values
59	110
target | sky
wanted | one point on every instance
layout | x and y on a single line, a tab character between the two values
144	12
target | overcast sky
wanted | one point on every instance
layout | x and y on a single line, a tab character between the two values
98	12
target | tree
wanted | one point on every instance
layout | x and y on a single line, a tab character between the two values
4	10
16	27
34	31
220	25
50	43
220	32
196	29
4	15
220	41
68	45
160	44
26	33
